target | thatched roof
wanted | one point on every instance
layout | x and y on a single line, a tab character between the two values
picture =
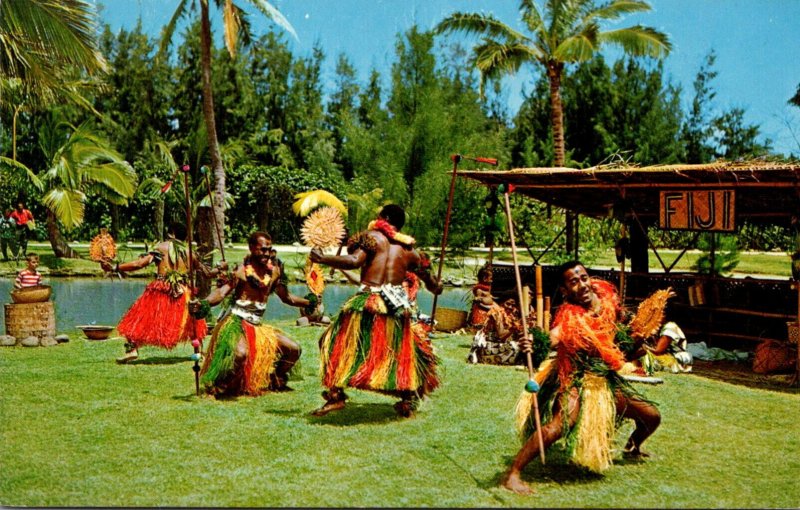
766	192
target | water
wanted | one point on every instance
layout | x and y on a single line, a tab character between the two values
104	301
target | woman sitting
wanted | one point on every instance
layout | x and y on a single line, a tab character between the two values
494	342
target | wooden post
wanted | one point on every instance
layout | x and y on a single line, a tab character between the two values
546	317
539	299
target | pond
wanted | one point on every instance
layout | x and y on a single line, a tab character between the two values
104	301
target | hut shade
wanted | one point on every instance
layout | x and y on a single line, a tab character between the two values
766	192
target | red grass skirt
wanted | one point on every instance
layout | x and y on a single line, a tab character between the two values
157	318
369	349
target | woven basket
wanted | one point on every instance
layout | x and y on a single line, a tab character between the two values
449	319
36	294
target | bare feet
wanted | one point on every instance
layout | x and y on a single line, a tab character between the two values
405	408
129	356
634	453
514	483
329	407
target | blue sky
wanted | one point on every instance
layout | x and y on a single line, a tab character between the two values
756	42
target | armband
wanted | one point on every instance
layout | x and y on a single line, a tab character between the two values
157	256
203	311
363	241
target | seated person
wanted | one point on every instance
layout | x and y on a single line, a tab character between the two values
483	301
29	277
665	352
494	342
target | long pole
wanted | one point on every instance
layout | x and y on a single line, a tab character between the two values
455	158
524	316
196	367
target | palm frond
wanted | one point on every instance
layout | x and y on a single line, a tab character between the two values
67	206
19	171
230	20
616	9
531	15
579	47
494	59
474	23
274	14
169	29
40	39
117	176
639	41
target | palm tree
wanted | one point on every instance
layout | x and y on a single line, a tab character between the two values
564	32
49	47
80	163
235	24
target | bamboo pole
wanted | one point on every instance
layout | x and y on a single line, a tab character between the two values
524	317
546	317
539	299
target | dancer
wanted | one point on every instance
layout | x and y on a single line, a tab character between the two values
582	392
160	317
376	343
247	356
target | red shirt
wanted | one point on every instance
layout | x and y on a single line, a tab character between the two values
21	218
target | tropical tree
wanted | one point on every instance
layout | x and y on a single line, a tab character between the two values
235	24
564	32
80	163
48	48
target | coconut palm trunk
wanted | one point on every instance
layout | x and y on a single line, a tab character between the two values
554	72
211	125
60	247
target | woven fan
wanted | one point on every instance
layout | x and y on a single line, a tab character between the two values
102	247
650	314
323	228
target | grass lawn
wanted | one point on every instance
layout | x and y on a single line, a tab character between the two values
78	430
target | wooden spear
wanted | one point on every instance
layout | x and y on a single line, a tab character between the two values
196	356
456	158
531	386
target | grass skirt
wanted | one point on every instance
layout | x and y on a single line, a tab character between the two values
219	370
369	349
160	319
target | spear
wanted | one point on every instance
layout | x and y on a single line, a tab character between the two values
195	342
455	158
531	387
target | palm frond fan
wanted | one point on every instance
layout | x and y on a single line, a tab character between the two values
650	314
323	228
102	247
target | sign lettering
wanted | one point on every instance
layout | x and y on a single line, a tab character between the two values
708	210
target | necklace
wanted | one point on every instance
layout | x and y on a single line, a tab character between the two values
389	231
254	279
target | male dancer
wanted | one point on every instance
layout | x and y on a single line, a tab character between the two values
247	356
582	391
376	343
160	317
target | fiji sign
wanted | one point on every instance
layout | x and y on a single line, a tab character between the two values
711	210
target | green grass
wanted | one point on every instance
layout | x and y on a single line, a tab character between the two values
79	430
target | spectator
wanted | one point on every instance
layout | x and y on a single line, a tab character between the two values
7	235
25	222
